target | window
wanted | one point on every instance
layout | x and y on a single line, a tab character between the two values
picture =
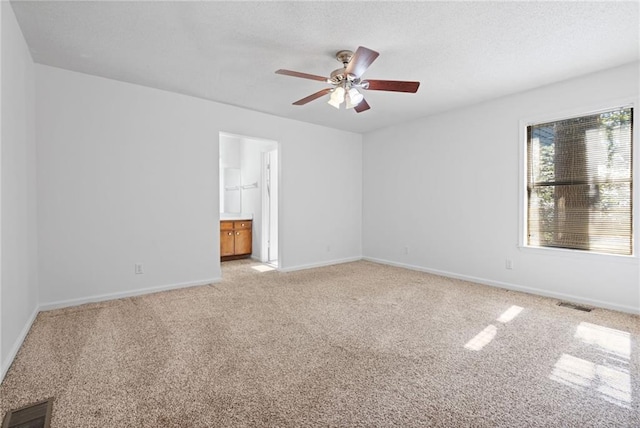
579	183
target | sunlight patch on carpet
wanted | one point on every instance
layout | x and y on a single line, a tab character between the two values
609	376
609	340
262	268
613	384
510	314
482	339
489	333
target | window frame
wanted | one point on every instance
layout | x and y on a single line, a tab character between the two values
522	182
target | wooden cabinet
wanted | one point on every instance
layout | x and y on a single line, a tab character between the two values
235	239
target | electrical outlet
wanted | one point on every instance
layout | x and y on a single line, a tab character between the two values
328	248
405	250
138	269
508	264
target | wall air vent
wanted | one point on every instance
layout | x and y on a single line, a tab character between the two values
36	415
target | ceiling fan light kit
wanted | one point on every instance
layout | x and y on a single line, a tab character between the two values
354	98
351	98
337	97
347	81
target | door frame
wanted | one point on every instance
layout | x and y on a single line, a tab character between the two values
277	147
266	238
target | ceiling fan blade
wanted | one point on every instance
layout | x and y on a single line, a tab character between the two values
312	97
360	61
362	106
301	75
393	85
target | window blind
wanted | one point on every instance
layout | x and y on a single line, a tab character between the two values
579	183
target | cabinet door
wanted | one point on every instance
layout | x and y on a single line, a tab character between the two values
243	241
227	243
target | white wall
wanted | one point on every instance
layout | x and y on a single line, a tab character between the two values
18	279
2	351
129	174
230	201
447	187
230	151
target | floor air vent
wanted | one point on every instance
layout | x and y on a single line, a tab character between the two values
34	416
574	306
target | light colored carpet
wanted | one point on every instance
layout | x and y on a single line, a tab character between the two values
358	344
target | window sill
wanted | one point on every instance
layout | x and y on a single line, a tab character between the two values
579	255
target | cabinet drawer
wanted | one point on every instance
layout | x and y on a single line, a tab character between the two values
226	225
245	224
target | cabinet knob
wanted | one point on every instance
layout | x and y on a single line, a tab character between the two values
237	233
229	233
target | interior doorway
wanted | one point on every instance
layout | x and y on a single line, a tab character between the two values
249	171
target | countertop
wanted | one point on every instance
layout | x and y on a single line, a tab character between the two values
235	216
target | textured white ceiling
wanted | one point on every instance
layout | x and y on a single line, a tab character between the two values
461	52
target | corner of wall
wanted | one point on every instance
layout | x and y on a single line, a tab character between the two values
18	193
13	352
2	369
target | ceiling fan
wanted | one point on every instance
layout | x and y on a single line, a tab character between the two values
347	80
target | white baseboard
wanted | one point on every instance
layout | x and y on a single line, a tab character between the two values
321	264
119	295
17	344
513	287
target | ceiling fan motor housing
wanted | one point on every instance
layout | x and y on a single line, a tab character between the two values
337	76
